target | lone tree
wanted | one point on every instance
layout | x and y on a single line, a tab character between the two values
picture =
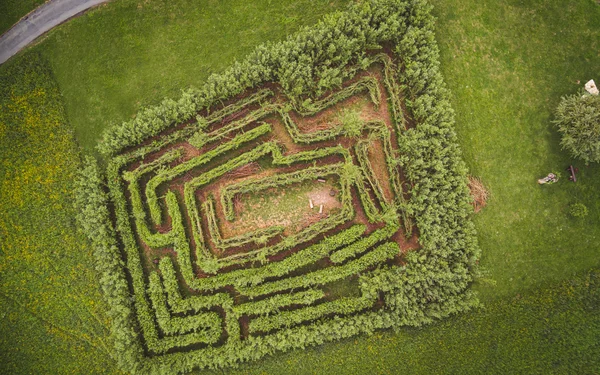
578	120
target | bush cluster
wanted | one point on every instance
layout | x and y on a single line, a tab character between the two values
578	121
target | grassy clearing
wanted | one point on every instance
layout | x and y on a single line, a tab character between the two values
53	316
11	11
507	64
287	206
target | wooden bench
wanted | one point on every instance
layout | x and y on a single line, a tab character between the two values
572	170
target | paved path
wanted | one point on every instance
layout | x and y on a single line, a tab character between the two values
40	21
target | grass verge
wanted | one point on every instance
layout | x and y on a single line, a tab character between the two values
52	317
11	11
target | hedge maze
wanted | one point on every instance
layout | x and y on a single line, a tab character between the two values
190	286
234	290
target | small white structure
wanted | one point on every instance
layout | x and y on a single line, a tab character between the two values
311	204
590	87
321	209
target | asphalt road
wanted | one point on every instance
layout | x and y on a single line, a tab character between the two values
39	21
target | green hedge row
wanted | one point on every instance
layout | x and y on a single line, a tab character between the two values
254	276
208	323
285	319
272	305
94	219
366	83
362	245
180	169
374	257
288	242
178	303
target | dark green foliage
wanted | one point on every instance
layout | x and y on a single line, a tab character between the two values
93	217
578	121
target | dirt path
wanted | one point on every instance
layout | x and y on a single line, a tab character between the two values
40	21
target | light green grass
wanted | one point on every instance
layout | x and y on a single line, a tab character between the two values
507	64
11	11
52	317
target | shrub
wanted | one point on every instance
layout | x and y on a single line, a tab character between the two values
578	210
578	121
351	123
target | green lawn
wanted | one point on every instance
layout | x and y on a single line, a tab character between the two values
53	319
506	63
11	11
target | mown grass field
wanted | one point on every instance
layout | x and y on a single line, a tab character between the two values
506	63
51	302
12	10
